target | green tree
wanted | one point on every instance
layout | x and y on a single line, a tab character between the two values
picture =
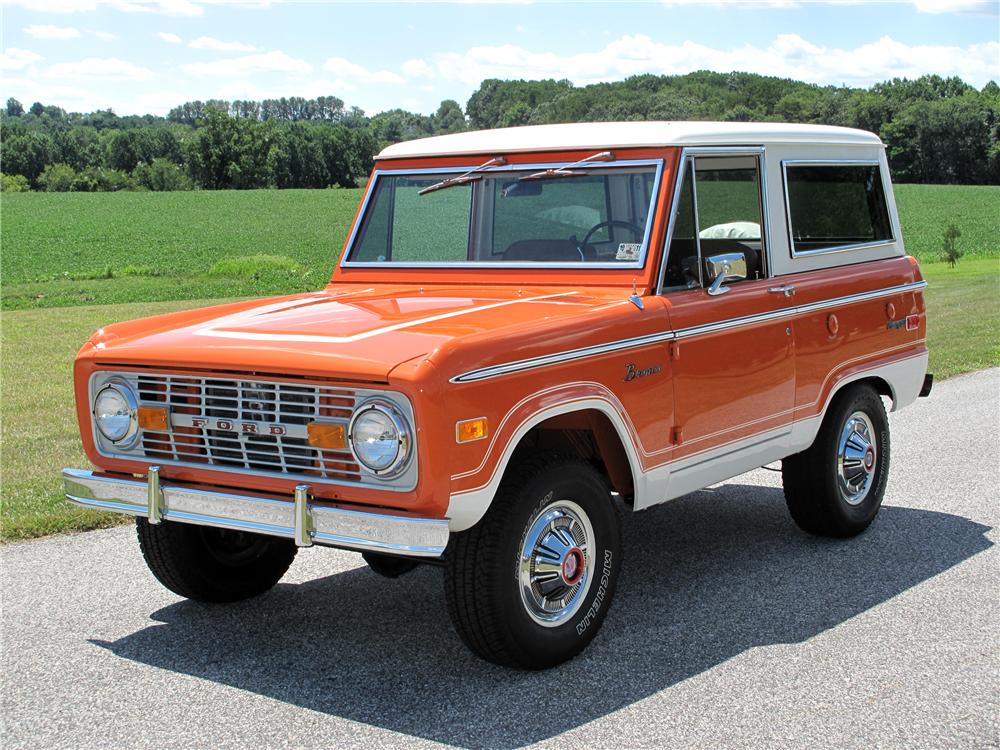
449	118
28	155
229	152
57	178
14	108
102	180
161	175
13	183
942	141
296	158
950	251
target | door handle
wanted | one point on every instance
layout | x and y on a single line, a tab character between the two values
786	289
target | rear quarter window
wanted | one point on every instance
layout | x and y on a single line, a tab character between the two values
834	206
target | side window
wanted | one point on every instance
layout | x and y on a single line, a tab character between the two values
719	212
832	206
682	257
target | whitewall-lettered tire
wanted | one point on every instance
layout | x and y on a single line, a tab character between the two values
835	487
530	584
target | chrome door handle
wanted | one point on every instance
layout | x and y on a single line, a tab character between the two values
786	289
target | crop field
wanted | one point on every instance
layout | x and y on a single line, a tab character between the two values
76	261
102	248
86	248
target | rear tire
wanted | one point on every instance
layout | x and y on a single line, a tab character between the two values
213	565
835	487
530	584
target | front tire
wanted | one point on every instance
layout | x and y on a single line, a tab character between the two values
835	487
213	565
529	585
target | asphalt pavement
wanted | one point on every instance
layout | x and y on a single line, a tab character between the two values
730	628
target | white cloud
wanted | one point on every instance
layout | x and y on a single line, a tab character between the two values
108	69
43	31
267	62
105	36
56	6
162	7
18	59
169	38
207	42
789	55
308	88
957	6
347	70
157	102
71	98
417	69
923	6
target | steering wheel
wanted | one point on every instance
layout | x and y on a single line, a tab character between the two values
637	230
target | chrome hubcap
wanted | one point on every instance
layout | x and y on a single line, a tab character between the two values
555	566
856	458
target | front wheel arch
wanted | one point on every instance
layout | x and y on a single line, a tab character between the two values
587	434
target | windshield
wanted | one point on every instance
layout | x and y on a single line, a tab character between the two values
593	216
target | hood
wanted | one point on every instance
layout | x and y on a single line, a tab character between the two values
343	331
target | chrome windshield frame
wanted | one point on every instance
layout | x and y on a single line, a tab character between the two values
379	173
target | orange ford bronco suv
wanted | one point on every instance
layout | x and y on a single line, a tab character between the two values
529	331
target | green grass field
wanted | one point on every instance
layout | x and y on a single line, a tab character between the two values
104	248
211	245
38	431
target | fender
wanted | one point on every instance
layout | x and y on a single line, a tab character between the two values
467	507
904	376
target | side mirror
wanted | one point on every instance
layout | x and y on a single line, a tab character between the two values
722	268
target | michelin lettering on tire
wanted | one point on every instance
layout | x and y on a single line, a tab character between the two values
595	606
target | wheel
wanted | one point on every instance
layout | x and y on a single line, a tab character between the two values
530	584
210	564
389	566
835	487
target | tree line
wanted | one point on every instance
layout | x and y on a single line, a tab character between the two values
936	130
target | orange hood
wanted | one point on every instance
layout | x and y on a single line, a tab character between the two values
346	331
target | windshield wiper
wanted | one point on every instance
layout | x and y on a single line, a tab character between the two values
567	171
470	176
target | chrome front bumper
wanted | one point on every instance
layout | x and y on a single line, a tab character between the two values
300	520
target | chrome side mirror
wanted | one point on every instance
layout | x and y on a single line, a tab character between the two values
722	268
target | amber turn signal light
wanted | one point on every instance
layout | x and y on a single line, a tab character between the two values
327	435
153	418
471	429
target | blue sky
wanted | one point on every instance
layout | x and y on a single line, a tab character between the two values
139	56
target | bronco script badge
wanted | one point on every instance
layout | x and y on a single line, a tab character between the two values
631	373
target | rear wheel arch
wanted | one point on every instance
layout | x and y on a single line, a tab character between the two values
881	386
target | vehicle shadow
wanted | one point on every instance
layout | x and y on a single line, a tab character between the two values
705	578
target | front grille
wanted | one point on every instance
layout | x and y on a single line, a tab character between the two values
247	409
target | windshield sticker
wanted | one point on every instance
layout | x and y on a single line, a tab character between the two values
628	251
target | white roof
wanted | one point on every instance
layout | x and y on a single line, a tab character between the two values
599	135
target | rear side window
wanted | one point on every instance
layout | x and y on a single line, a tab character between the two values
834	206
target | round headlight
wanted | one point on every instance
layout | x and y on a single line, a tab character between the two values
380	438
115	412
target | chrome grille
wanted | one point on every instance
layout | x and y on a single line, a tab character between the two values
290	407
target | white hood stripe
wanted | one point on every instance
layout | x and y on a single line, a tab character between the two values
217	330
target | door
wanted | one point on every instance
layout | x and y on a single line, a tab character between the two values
733	356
